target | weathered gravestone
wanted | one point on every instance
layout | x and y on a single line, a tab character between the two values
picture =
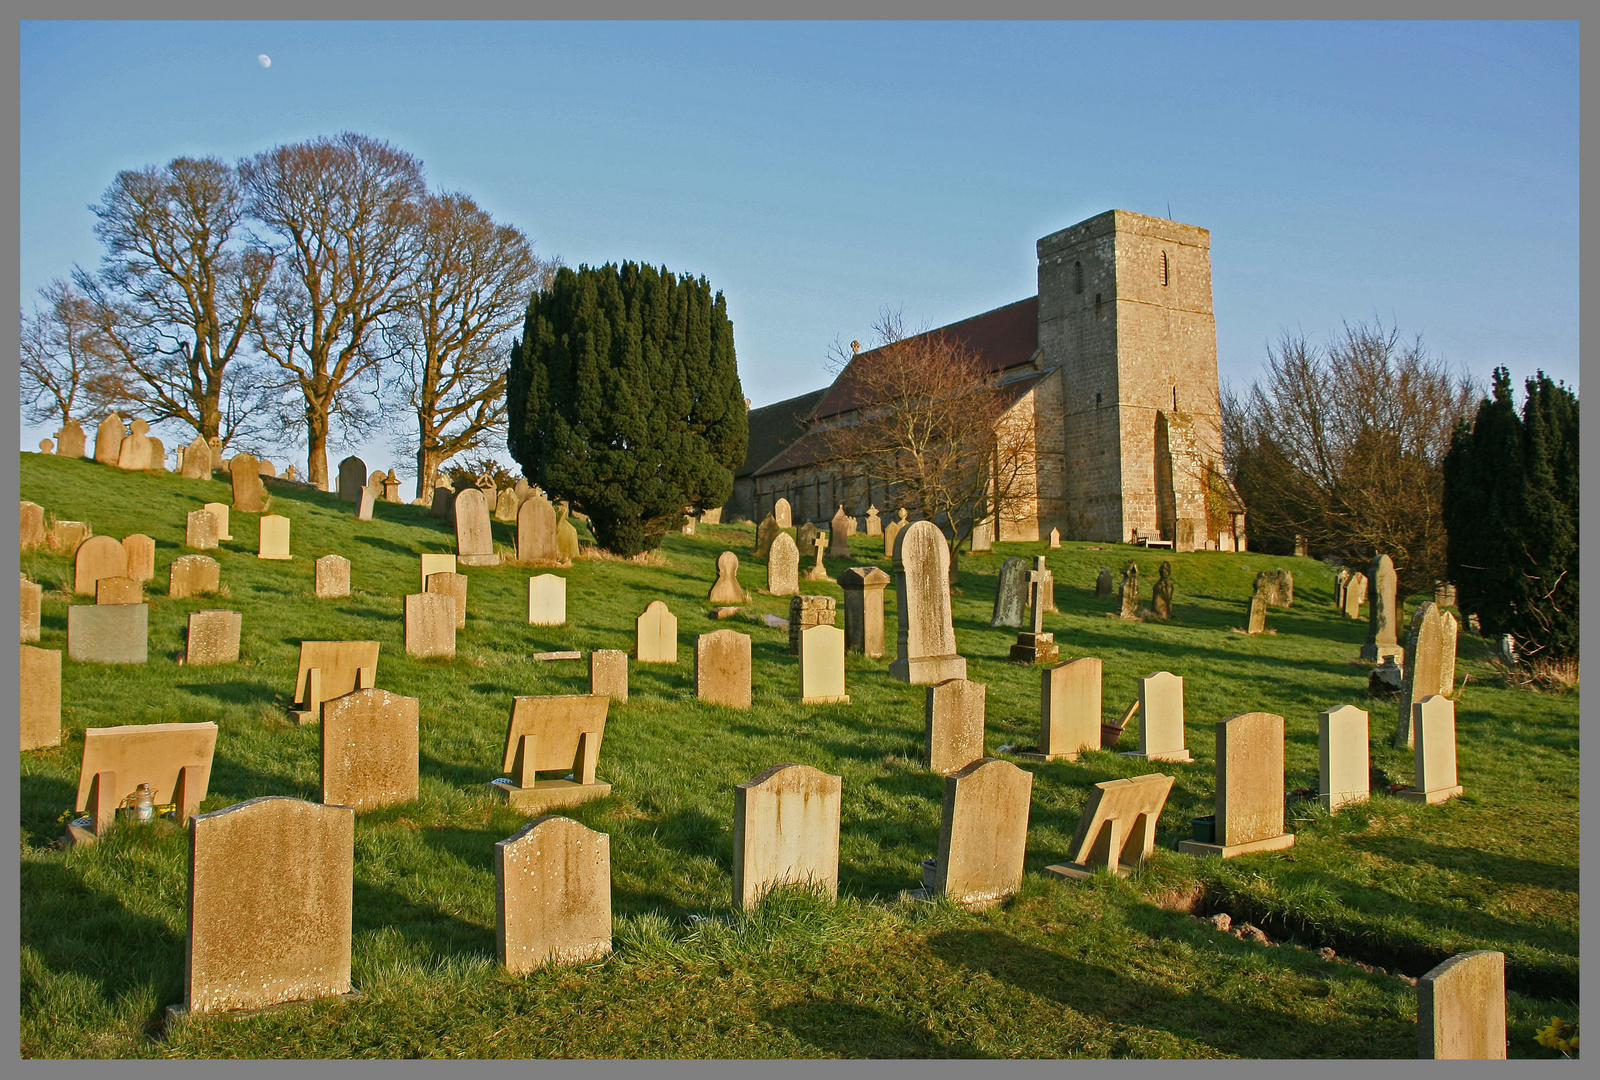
822	666
782	514
174	759
97	557
193	575
983	833
70	440
1255	621
29	608
1449	630
926	640
785	832
783	566
32	525
1424	667
365	501
1069	710
1249	799
369	749
547	600
722	668
726	590
474	534
1276	587
197	460
1161	596
874	525
391	487
220	512
891	532
805	612
442	503
1461	1008
1161	719
134	452
375	480
553	895
40	697
536	531
839	535
430	625
352	478
806	539
953	729
273	538
1117	829
330	669
1355	594
1044	589
553	734
434	563
1341	582
1343	759
46	446
455	587
1011	594
1130	592
983	536
249	493
1035	646
141	555
608	674
1433	720
1102	583
656	635
118	590
1055	538
766	534
108	633
505	506
67	536
566	535
213	637
201	531
1382	616
863	609
332	576
271	885
108	440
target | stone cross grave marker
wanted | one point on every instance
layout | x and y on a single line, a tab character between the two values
174	759
547	600
1035	646
1011	593
118	590
785	832
953	731
193	575
822	666
1161	597
70	440
32	525
1249	799
1117	829
274	538
1161	719
1130	592
766	534
536	531
431	625
726	589
141	554
97	557
656	635
201	530
1423	667
1047	585
352	478
249	493
722	668
220	512
271	885
108	440
874	525
330	669
553	895
783	566
332	576
1382	615
1344	765
926	640
108	633
435	563
40	697
213	637
1102	583
32	602
983	833
1069	710
782	514
819	572
558	733
1434	754
1461	1008
608	673
863	609
455	587
474	533
839	534
369	749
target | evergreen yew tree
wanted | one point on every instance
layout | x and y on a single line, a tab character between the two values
623	397
1511	509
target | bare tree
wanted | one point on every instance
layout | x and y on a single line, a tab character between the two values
468	293
1344	445
68	370
934	427
177	290
342	215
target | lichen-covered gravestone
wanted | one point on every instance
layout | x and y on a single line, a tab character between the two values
200	530
1011	594
1461	1008
249	493
213	637
30	607
70	440
783	566
474	533
1249	798
1102	582
455	587
608	674
722	668
1382	616
332	576
766	533
1256	614
536	531
785	832
197	460
141	554
983	833
1161	597
953	730
430	625
108	633
553	895
863	609
193	575
926	639
1130	592
31	534
369	749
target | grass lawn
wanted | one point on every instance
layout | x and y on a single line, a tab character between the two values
1109	969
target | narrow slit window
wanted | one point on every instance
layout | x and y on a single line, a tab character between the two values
1166	271
1077	277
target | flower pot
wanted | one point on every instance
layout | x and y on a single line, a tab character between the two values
930	873
1203	830
1110	735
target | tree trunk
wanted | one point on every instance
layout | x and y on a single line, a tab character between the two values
427	471
317	449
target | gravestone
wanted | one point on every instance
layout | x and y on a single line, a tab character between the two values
726	590
547	600
70	440
46	446
274	538
29	608
926	640
1069	710
536	531
1449	630
863	609
1256	613
352	478
806	612
1249	799
722	668
953	727
1444	594
783	566
1102	583
1011	594
1433	720
197	460
1117	829
839	535
1130	592
1382	615
874	526
474	534
158	455
1423	667
435	563
852	525
31	533
431	625
1355	594
220	512
1341	582
766	534
200	530
656	635
782	514
1461	1008
1055	538
213	637
174	759
134	452
141	554
822	666
369	749
330	669
249	493
1343	758
566	536
819	572
983	833
1035	646
806	540
1161	596
66	536
608	674
983	537
375	480
97	557
271	884
391	487
108	633
40	697
553	734
891	532
1302	547
193	575
1183	534
118	590
332	576
108	440
1045	586
1161	719
505	506
266	469
552	895
455	587
1276	587
366	499
785	832
442	503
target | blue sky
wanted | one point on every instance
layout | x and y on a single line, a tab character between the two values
1424	173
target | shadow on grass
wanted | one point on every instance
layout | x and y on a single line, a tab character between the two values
378	908
387	545
470	776
1488	865
43	797
236	781
232	693
839	1029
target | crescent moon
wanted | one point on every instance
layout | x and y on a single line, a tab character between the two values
264	60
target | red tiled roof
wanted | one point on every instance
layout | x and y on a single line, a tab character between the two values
1002	338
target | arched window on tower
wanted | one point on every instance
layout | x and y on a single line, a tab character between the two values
1166	270
1077	277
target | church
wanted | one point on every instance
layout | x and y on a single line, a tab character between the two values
1111	368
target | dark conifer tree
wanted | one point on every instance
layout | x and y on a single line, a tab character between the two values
623	396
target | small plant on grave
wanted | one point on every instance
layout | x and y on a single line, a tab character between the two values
1560	1036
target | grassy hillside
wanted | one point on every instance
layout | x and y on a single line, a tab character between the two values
1114	968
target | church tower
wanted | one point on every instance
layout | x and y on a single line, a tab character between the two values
1125	311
